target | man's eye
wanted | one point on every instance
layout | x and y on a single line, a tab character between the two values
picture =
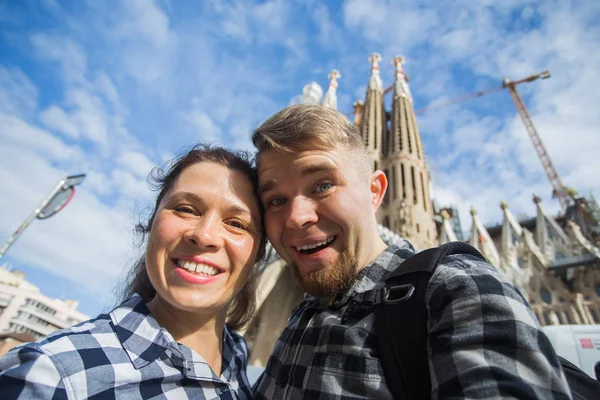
277	201
322	187
238	224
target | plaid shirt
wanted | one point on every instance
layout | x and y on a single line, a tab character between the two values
484	341
124	354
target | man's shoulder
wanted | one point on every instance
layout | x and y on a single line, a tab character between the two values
467	266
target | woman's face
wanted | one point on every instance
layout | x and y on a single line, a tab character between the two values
204	238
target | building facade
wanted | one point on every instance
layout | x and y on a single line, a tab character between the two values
554	261
25	310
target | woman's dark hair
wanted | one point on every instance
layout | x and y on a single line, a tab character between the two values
243	305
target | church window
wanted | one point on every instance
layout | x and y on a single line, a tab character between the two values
414	184
547	319
403	180
375	167
423	192
394	179
597	289
417	149
521	262
569	318
408	132
546	295
594	315
418	230
386	222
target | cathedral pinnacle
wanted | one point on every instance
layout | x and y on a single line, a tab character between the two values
375	80
401	85
330	99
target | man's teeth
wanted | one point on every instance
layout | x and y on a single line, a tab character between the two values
314	245
197	268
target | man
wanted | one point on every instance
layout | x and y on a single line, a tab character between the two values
321	197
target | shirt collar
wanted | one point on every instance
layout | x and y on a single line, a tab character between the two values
142	337
145	341
375	272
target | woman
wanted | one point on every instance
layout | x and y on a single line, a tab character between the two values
171	338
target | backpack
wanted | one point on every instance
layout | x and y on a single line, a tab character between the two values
403	352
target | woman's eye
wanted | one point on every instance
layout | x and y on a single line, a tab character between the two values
322	187
185	209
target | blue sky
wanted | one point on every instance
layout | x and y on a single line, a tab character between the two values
113	88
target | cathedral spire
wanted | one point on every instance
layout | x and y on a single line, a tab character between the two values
358	106
330	99
409	179
401	82
511	234
375	80
550	237
373	124
447	233
481	240
511	249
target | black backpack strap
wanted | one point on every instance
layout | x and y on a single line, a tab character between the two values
401	320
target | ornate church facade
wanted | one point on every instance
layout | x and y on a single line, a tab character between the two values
555	262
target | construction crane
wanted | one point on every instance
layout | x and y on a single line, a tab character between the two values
559	190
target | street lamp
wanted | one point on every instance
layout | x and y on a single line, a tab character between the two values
56	200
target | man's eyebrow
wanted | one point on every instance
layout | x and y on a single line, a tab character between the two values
316	168
269	185
307	170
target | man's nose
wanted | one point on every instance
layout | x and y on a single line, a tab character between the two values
206	232
302	213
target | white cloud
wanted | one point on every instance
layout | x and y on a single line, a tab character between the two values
24	137
64	51
17	94
136	162
205	127
56	119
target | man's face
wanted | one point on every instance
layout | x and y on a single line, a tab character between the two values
320	214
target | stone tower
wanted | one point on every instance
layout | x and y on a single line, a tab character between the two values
407	208
330	99
372	123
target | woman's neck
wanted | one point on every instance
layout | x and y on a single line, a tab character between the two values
203	333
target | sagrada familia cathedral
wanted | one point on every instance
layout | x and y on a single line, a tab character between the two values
554	261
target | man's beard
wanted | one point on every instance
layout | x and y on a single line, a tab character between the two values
330	280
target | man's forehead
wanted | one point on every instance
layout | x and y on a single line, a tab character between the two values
303	162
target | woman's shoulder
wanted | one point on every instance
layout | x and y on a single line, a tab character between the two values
41	367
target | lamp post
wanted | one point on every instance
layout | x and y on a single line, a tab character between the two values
55	201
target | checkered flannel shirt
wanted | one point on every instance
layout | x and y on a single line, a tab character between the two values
124	354
484	341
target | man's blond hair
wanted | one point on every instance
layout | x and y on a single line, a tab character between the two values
305	126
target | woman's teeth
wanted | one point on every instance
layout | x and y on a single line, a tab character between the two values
202	269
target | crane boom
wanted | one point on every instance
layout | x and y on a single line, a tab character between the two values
557	186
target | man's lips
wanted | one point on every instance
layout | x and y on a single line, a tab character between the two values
313	246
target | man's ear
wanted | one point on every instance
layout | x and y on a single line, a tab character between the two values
378	187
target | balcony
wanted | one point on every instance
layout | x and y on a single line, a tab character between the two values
52	319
